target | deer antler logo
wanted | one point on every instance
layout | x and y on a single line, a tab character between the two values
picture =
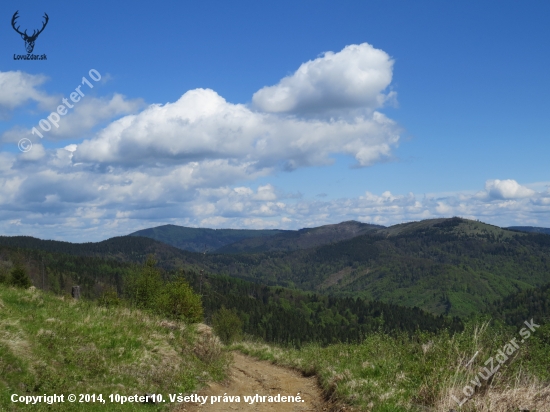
29	40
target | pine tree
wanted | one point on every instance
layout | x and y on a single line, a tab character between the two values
144	288
20	278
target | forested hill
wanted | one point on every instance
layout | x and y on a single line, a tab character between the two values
201	239
274	314
301	239
122	249
531	229
454	266
254	241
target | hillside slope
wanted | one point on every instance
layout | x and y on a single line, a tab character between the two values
53	345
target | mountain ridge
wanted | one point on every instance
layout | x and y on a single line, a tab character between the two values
301	239
445	266
453	266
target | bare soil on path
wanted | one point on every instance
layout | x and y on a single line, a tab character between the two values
249	377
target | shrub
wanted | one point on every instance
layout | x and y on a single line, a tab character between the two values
227	325
20	278
177	300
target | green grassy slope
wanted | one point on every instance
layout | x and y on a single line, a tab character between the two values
197	239
52	345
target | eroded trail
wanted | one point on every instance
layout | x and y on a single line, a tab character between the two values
249	377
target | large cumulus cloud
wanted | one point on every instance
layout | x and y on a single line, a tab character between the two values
201	126
354	78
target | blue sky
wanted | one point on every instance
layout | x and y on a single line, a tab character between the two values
419	109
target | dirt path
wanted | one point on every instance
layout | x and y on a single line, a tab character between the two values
249	377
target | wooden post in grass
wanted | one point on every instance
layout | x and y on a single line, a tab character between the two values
76	292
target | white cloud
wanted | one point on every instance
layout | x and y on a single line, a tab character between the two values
90	112
18	88
202	126
353	78
507	189
36	153
266	193
6	163
83	117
